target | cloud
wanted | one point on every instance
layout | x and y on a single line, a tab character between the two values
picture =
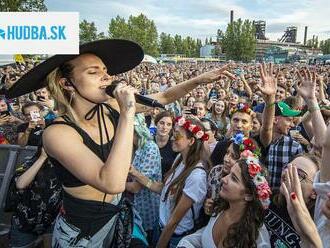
201	19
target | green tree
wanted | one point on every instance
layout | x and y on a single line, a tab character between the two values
87	31
166	44
313	43
198	47
239	41
178	43
22	5
118	28
325	46
138	29
144	32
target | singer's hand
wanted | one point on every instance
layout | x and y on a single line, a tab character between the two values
124	95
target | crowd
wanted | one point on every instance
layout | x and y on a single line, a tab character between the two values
240	160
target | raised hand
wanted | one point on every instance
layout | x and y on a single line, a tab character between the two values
298	212
269	84
214	75
308	84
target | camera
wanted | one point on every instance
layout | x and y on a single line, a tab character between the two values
41	98
35	116
192	111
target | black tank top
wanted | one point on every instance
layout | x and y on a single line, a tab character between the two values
65	176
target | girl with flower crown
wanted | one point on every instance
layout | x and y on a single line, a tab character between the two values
185	185
237	219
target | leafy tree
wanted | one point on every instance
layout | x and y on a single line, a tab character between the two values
22	5
325	46
87	31
313	43
178	43
138	29
239	41
166	44
118	28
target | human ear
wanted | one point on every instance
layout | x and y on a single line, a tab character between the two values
66	84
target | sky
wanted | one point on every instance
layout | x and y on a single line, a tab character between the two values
202	18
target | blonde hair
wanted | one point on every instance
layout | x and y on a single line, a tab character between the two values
62	96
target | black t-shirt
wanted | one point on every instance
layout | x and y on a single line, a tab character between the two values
34	136
167	157
280	227
219	151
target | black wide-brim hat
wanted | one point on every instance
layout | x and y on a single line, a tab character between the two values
118	56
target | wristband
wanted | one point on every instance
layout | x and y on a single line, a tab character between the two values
149	183
270	105
314	108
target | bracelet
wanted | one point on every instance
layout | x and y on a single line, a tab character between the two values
314	108
270	105
149	183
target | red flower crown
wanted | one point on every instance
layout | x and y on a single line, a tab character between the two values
241	107
195	129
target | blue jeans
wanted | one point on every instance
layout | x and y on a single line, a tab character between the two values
156	235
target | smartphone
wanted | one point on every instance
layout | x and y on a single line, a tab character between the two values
4	113
35	116
192	111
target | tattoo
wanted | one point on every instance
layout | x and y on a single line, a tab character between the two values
130	105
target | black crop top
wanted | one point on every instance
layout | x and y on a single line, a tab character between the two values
65	176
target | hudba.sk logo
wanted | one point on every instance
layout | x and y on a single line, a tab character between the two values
33	33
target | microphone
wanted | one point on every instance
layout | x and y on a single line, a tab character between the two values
138	98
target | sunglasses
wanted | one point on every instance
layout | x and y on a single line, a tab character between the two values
177	136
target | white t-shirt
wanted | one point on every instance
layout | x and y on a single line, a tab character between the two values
195	188
321	221
203	238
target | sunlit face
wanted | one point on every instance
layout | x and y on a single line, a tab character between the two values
229	159
180	141
190	102
306	171
241	122
283	124
219	107
222	94
200	94
255	125
280	94
201	109
234	99
232	188
90	77
164	126
3	105
43	93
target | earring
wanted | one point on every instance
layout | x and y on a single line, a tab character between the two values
71	97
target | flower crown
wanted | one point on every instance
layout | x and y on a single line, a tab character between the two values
251	154
241	107
245	144
195	129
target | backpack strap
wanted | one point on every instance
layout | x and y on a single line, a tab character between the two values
192	206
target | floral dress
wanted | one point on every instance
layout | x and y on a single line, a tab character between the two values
147	161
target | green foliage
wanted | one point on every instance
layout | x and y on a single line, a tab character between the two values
22	5
87	31
313	43
239	41
325	46
138	29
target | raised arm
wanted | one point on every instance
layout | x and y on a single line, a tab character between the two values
307	92
181	89
325	167
298	212
246	86
268	89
